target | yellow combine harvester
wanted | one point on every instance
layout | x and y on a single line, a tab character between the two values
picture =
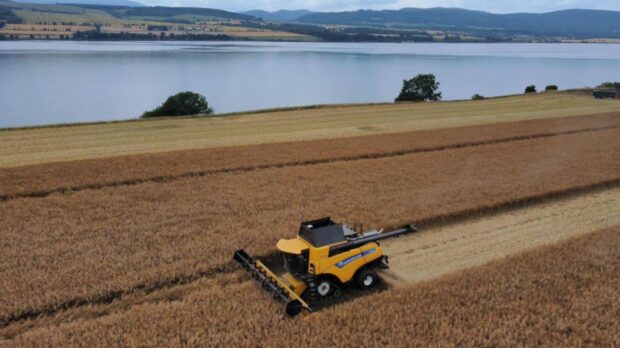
323	258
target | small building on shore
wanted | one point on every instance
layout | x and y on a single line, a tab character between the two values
605	93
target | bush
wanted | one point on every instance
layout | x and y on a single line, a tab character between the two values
530	89
420	88
181	104
551	88
477	97
610	85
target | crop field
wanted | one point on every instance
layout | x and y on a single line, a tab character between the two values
132	247
559	295
198	216
41	21
56	31
574	281
48	178
52	144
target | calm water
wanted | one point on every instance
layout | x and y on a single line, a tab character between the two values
54	82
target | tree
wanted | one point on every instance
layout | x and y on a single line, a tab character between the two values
477	97
610	85
530	89
420	88
551	88
181	104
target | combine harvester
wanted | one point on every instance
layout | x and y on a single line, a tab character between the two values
323	258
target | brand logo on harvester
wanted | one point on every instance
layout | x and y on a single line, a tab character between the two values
355	257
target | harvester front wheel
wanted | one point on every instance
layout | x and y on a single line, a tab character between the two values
324	288
366	278
293	308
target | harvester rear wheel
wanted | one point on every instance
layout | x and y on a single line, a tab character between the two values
366	278
337	293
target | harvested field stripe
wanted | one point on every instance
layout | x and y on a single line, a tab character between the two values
230	267
433	253
171	178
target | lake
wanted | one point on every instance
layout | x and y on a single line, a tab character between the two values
43	82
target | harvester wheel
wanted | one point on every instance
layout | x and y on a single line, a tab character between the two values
366	278
324	288
293	308
337	293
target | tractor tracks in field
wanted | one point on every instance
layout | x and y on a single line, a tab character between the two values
20	322
163	179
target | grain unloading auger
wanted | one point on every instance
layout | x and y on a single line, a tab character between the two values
320	261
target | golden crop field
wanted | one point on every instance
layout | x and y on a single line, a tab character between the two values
193	226
41	145
48	178
129	242
559	295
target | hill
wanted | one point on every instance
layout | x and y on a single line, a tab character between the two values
575	23
281	15
98	12
91	21
87	2
167	12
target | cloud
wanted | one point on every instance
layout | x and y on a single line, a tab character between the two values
504	6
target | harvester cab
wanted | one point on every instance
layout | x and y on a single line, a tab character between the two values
323	258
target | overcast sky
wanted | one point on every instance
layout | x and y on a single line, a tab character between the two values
498	6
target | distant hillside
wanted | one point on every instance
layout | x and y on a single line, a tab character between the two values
281	15
159	11
576	23
134	22
87	2
92	11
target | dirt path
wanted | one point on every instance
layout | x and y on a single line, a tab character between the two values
430	254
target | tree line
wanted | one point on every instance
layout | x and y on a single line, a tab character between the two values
95	35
